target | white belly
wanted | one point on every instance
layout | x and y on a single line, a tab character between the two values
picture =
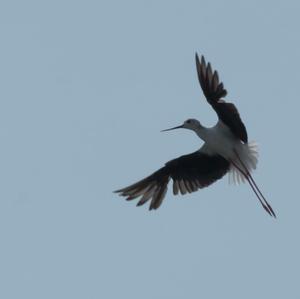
219	140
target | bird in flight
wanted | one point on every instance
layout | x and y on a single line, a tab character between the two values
225	150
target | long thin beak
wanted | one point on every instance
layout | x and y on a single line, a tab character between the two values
178	127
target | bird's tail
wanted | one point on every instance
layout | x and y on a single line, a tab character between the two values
248	153
153	187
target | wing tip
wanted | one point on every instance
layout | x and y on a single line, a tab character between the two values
201	60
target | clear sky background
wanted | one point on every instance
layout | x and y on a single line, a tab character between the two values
86	87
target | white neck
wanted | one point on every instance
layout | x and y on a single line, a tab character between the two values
202	132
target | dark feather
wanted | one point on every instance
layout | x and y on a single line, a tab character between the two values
214	91
188	172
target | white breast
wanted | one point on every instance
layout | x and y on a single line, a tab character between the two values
220	140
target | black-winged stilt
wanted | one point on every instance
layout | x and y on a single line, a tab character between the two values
226	149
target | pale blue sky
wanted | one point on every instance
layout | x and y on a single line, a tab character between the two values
86	87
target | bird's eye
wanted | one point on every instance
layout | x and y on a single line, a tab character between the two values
188	121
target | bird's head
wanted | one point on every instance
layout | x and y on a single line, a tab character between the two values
191	124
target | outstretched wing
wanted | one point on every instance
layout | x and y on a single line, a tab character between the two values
189	173
214	90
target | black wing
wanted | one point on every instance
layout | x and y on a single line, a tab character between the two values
189	173
214	91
